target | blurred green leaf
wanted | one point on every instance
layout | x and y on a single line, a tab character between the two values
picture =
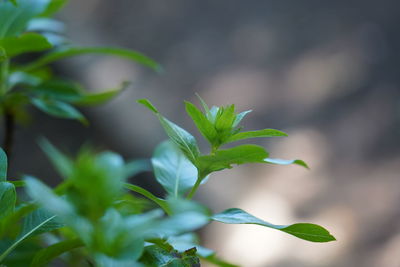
62	163
36	222
205	127
173	170
47	199
100	98
44	256
184	140
106	261
75	51
58	109
306	231
26	43
286	162
3	165
45	25
254	134
160	202
53	7
137	166
7	199
15	18
223	159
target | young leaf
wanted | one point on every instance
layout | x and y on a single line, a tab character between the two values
184	140
205	127
75	51
98	98
239	117
223	159
286	162
254	134
26	43
306	231
58	109
7	199
173	170
44	256
225	118
3	165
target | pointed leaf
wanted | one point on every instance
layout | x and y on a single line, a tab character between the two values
59	109
3	165
184	140
75	51
61	162
44	256
173	170
254	134
223	159
205	127
239	117
99	98
7	199
26	43
306	231
286	162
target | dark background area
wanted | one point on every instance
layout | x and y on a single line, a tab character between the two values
326	72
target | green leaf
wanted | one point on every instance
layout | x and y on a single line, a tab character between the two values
3	165
62	163
223	159
45	25
59	109
173	170
100	98
225	118
36	222
44	256
7	199
306	231
160	202
254	134
75	51
136	166
205	127
156	256
60	90
184	140
148	104
103	260
47	199
286	162
26	43
239	117
39	221
15	18
53	7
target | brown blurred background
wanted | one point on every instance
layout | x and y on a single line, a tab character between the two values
326	72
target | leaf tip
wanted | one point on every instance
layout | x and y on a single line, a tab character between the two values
145	102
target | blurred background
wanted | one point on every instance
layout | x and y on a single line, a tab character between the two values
325	72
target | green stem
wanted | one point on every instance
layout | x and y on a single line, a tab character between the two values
3	76
195	187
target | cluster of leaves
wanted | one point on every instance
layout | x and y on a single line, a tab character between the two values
95	216
27	27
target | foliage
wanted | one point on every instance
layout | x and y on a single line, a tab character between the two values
92	217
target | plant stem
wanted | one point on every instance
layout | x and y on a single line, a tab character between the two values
9	129
195	187
3	76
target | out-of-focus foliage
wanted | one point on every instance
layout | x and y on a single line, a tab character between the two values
91	216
